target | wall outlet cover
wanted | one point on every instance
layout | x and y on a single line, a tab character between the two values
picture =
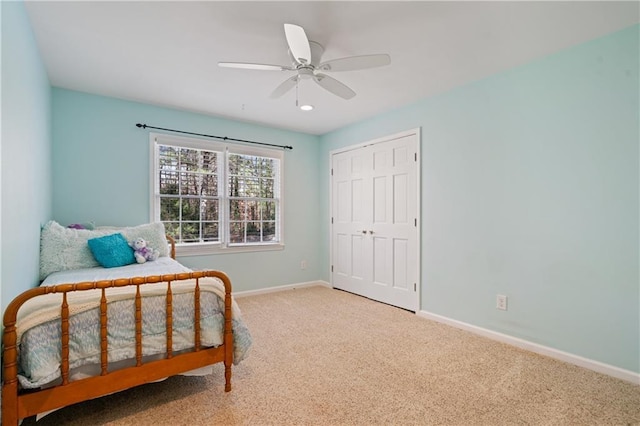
501	302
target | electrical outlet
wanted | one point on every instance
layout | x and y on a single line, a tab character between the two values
303	264
501	302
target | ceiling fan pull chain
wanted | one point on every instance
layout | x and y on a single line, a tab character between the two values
297	81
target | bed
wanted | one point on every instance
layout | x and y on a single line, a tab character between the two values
88	331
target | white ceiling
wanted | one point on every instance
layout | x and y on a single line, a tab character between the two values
166	53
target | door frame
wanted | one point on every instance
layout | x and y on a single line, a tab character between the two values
417	132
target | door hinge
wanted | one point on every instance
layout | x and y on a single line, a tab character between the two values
415	222
331	172
415	157
331	268
415	287
332	220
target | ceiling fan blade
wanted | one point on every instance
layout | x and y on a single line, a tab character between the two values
298	43
334	86
284	87
354	63
250	66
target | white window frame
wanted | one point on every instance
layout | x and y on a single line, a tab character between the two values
194	249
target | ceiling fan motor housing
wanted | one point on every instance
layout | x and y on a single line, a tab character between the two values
305	73
316	55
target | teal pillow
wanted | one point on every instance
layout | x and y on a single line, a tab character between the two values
111	251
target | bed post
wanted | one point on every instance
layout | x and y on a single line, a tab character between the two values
9	376
228	332
172	243
10	368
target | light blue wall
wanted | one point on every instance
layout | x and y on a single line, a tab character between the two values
530	188
25	184
101	174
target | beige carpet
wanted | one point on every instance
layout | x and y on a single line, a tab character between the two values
325	357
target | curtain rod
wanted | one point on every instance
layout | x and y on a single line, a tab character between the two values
144	126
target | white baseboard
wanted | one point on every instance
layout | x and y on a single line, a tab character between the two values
280	288
590	364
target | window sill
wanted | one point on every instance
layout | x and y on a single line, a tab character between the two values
207	249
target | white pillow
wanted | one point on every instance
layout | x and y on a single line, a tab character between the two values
153	233
63	249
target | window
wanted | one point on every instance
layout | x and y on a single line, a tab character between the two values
215	197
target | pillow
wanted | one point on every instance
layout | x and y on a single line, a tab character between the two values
153	233
86	225
63	249
111	251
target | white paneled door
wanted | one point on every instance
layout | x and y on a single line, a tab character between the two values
374	230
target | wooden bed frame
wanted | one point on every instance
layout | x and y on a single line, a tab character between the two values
17	405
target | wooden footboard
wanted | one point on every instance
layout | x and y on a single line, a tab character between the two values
16	405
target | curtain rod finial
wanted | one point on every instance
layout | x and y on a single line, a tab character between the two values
144	126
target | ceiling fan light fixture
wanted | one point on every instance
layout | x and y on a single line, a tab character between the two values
306	107
306	56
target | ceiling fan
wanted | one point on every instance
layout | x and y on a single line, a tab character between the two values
306	56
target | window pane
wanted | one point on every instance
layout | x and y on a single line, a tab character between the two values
240	187
190	183
210	161
173	229
191	209
210	231
267	167
236	232
268	210
251	188
233	164
244	187
266	188
237	208
168	182
210	210
234	186
190	232
268	231
252	212
169	209
190	159
247	166
209	186
168	157
253	232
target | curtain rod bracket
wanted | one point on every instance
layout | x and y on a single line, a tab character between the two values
225	138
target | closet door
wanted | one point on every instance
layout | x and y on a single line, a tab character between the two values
374	221
352	216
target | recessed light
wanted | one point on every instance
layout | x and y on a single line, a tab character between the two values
306	107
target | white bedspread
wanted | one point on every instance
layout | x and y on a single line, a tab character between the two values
161	266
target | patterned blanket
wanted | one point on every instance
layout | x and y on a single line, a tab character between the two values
38	327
